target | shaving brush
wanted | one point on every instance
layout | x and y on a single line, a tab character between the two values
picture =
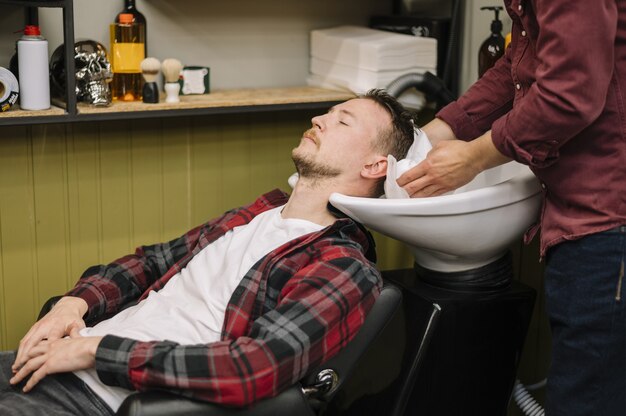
150	70
171	70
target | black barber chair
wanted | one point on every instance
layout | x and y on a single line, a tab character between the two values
309	397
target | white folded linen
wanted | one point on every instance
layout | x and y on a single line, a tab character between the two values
359	79
373	50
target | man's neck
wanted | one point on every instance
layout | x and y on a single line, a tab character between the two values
309	201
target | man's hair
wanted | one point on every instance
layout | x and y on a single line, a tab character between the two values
396	139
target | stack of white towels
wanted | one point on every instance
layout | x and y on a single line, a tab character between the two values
358	58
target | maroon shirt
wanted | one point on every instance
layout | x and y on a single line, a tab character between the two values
556	101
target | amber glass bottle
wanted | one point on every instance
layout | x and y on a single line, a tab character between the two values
126	53
138	17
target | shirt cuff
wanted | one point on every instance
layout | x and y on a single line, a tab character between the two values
541	155
459	121
112	361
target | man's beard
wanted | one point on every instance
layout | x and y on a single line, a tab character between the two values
307	168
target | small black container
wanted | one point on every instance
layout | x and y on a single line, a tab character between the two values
150	93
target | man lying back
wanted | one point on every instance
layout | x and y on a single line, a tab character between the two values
237	309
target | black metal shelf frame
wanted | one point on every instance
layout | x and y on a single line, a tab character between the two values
72	115
68	41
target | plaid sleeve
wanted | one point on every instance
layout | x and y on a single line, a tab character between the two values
320	309
107	288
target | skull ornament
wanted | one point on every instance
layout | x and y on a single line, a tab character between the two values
92	70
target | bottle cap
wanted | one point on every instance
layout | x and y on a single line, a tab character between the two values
126	18
32	30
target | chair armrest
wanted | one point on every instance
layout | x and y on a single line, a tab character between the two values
160	403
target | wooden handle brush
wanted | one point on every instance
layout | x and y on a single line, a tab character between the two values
171	70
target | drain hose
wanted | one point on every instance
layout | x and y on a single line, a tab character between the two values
427	83
525	401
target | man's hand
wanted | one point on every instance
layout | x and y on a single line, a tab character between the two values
449	165
57	356
445	169
65	316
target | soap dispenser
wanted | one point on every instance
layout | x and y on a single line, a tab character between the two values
493	47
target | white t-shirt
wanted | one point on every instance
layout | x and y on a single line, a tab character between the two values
190	308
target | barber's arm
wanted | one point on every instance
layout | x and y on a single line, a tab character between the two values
572	80
451	164
320	309
454	160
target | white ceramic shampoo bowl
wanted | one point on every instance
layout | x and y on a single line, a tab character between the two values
461	231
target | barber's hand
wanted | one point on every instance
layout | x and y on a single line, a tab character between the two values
58	356
65	316
449	165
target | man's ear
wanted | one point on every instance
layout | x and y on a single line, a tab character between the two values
375	168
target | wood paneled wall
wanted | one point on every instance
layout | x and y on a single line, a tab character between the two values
80	194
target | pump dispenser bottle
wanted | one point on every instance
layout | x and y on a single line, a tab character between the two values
493	47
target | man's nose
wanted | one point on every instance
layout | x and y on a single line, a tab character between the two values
318	121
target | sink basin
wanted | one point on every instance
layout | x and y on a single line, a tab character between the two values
465	230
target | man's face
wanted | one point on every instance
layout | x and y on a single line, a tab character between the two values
340	141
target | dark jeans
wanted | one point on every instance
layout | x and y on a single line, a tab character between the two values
57	394
586	303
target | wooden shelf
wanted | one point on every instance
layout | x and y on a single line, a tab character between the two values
236	101
16	112
227	98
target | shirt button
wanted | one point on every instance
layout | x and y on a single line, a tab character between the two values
520	8
518	86
523	33
543	185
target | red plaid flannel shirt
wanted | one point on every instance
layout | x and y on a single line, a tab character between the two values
296	308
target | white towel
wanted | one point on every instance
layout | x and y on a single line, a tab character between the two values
417	152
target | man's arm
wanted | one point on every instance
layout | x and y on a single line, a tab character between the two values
320	309
57	356
437	131
65	315
573	78
451	164
108	288
103	290
487	100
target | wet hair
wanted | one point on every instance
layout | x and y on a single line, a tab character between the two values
397	139
393	140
